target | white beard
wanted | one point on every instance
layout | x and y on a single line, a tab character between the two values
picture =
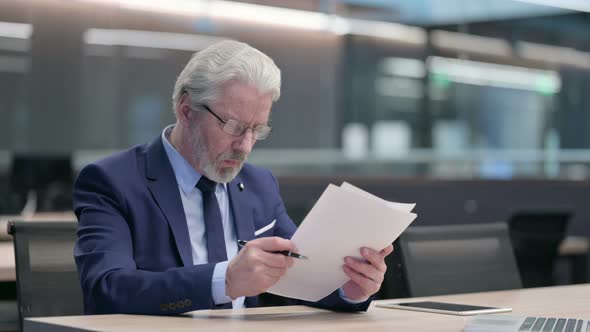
212	169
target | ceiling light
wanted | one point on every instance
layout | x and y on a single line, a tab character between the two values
553	54
489	74
392	31
470	43
16	30
290	18
152	39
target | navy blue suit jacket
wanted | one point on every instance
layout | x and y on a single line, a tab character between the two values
133	251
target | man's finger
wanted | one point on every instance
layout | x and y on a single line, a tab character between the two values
275	272
367	285
367	270
386	251
274	243
275	260
375	258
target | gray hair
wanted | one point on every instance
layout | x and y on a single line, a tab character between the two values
209	69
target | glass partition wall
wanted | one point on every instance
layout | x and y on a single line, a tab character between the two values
490	100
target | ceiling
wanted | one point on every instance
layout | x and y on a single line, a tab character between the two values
443	12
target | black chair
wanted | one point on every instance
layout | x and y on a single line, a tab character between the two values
49	177
451	259
47	281
536	236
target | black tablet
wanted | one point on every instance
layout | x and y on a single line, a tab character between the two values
444	308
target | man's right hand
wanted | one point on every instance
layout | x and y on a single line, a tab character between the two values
256	268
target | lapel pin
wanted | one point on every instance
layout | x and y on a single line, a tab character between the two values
241	186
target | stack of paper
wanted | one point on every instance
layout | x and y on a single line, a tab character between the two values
343	220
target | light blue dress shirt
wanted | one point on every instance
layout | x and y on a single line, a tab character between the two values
192	202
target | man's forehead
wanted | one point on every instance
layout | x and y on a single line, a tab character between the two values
248	115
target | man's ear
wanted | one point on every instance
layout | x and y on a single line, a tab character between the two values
183	110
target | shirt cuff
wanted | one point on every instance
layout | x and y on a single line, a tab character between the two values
218	284
343	297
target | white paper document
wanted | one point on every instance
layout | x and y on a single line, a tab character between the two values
343	220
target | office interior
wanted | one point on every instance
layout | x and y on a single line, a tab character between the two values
476	110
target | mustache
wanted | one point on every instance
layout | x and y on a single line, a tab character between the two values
235	155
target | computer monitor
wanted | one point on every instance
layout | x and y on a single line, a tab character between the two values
49	177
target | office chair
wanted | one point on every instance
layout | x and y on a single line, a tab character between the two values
46	277
49	177
536	236
451	259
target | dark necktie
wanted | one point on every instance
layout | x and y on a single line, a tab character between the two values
213	225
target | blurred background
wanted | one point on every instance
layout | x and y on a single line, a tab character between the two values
457	89
474	109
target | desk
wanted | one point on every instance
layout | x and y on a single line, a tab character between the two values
7	272
532	301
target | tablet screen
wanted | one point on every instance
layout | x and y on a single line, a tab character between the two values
444	306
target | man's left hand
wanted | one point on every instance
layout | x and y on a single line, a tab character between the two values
365	276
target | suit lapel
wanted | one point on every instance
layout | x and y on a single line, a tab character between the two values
164	188
243	219
242	211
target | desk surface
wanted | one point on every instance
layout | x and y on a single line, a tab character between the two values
540	301
7	272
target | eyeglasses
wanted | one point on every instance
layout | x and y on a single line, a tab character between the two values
237	128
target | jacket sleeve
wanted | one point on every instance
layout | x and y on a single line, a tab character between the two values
110	279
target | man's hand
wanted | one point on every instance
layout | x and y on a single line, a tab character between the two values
365	277
256	268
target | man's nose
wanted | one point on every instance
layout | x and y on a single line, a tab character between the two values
246	142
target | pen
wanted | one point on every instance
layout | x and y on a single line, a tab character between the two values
242	243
